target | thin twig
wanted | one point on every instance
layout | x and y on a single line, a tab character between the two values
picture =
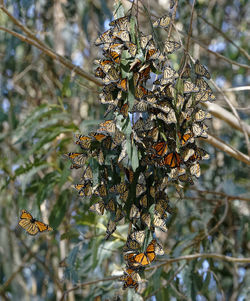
51	53
173	18
218	143
243	51
235	114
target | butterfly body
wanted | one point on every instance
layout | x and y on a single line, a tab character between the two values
32	225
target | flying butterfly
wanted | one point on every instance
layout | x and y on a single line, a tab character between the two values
201	70
163	22
171	46
32	225
98	207
111	227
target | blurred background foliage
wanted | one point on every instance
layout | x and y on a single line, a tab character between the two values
43	104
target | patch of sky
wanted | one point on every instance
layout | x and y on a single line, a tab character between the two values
225	26
220	81
9	84
5	105
106	24
200	298
31	11
217	47
77	58
241	273
15	167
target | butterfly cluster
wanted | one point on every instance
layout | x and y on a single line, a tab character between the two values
157	110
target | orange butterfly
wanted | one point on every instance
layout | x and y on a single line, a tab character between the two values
32	225
130	279
172	160
142	259
161	148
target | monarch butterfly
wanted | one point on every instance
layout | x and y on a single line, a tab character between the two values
134	212
100	157
118	215
152	54
186	178
106	37
170	118
139	106
158	249
195	170
111	227
83	141
111	205
98	207
144	71
146	258
122	23
124	110
124	196
176	172
132	48
144	40
163	22
146	219
123	84
105	64
107	126
185	138
102	190
172	160
138	236
203	85
78	159
140	92
169	74
161	148
159	222
129	174
187	71
114	55
131	245
140	189
32	225
204	96
161	206
171	46
99	136
202	115
190	87
201	70
118	138
87	174
122	35
188	153
144	201
199	154
129	279
153	134
111	76
99	73
84	189
199	130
